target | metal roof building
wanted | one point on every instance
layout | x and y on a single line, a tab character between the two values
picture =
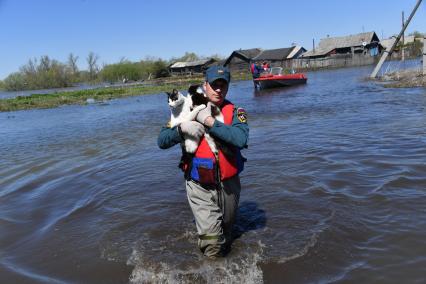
184	68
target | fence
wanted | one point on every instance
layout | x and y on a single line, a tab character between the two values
424	56
334	61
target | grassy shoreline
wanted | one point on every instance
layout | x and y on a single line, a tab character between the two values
40	101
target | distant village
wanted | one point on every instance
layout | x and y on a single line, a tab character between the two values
331	52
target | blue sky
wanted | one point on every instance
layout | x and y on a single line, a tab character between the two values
159	28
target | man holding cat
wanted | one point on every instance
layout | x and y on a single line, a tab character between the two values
212	181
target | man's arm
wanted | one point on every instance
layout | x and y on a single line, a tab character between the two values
235	134
168	137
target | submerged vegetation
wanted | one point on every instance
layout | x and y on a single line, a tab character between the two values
94	95
37	101
125	71
404	79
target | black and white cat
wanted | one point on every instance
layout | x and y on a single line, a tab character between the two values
182	109
186	109
198	97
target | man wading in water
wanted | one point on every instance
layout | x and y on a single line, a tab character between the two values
212	181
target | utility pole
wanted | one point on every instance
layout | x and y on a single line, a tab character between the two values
313	45
403	39
424	54
390	49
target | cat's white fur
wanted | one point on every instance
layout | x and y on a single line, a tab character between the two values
217	114
181	111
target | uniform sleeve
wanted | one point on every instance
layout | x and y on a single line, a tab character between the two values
168	137
236	134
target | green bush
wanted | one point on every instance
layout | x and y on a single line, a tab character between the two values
15	81
46	74
121	71
128	71
415	48
49	73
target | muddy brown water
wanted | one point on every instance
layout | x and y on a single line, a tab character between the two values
333	191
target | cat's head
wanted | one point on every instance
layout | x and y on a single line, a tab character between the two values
197	95
175	98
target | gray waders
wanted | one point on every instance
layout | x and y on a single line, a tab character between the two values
214	210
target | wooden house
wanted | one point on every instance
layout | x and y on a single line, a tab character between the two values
280	57
189	68
239	59
363	43
352	50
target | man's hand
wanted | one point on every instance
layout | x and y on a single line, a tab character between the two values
192	128
204	114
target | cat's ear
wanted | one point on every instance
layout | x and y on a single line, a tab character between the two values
175	92
192	89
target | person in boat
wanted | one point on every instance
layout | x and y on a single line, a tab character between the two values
266	67
256	69
212	179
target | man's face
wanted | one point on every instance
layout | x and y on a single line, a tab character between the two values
216	91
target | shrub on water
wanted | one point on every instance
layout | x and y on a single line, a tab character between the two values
134	71
121	71
46	74
14	82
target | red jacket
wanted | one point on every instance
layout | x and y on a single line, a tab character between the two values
204	164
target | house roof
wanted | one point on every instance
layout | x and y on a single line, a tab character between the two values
330	43
249	53
274	54
295	51
243	55
387	43
191	64
279	53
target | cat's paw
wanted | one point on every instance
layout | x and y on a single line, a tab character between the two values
191	146
197	109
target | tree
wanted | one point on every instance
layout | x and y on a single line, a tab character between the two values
217	57
49	73
44	63
15	82
160	69
92	60
122	71
416	34
72	64
188	57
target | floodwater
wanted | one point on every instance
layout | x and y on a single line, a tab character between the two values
333	191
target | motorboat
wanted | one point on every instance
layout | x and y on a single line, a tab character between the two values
274	78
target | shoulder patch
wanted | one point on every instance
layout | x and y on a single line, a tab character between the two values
242	115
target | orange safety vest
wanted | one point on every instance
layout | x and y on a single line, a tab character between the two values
204	164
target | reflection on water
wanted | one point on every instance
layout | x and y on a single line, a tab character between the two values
333	190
